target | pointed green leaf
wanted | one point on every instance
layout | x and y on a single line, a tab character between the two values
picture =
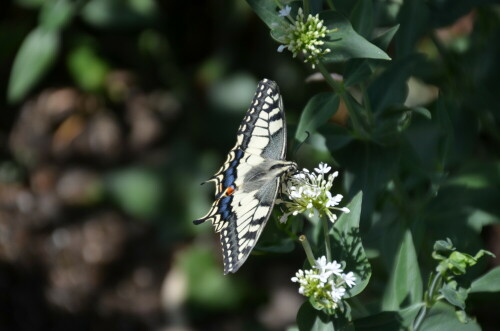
36	55
267	11
383	40
490	282
443	317
347	245
345	43
310	319
362	17
318	110
405	283
390	87
56	14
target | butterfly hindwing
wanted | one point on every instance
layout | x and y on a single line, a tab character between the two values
247	183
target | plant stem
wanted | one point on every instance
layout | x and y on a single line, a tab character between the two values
428	304
327	239
340	90
307	249
330	4
307	8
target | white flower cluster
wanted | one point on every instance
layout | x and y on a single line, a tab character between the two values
303	36
310	192
325	283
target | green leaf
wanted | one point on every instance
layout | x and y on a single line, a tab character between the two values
195	263
390	87
86	67
120	13
383	40
347	245
454	294
362	17
345	43
267	11
318	110
137	191
405	283
443	317
34	58
56	14
389	320
414	18
356	71
310	319
489	282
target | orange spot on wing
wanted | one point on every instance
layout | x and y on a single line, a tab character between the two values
229	191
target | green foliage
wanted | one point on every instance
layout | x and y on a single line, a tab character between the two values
35	57
347	245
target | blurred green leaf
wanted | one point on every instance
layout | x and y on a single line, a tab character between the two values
56	14
318	110
347	245
233	93
34	58
207	285
489	282
120	13
362	18
345	43
443	317
383	40
137	191
310	319
389	320
414	20
390	87
405	283
30	3
87	68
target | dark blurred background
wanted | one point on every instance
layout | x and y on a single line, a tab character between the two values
105	137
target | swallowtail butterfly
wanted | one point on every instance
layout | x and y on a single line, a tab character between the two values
247	184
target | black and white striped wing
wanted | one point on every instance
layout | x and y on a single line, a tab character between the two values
247	183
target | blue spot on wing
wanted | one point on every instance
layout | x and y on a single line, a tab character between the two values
224	207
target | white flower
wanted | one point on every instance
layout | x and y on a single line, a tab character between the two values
337	293
309	193
349	279
303	35
323	168
325	284
335	268
285	11
281	48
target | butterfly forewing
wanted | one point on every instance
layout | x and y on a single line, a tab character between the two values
247	183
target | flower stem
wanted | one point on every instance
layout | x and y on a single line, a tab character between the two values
428	304
340	90
307	249
327	239
306	8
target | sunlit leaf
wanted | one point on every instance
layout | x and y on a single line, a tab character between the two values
405	283
345	43
347	245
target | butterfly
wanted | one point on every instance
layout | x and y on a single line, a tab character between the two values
247	183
